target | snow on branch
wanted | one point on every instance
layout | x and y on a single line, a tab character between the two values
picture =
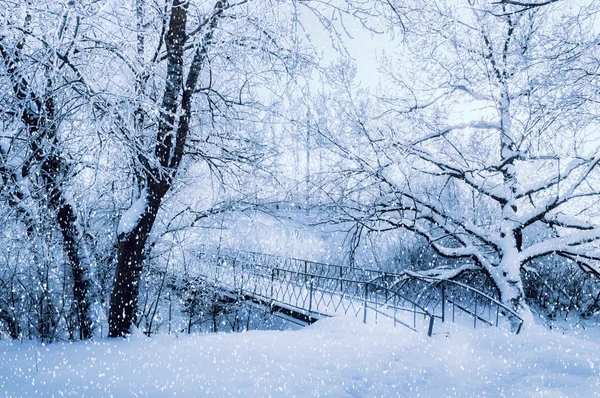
565	221
554	180
567	244
584	262
130	219
482	185
526	4
482	125
553	202
444	273
466	245
445	217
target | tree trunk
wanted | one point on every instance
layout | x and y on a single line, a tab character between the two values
81	284
130	259
53	169
45	151
507	277
131	248
168	152
13	326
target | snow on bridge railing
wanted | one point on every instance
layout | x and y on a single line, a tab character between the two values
326	289
312	294
436	293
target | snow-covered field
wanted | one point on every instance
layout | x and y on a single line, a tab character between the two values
337	357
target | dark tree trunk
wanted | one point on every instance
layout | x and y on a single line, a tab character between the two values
53	168
13	326
130	259
81	284
168	152
131	247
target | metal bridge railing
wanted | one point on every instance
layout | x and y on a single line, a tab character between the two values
449	299
408	299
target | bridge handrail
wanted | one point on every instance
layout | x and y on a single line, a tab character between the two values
404	275
338	279
467	287
363	298
366	283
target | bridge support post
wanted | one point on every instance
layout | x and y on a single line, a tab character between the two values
305	271
310	295
430	329
272	282
414	315
169	296
443	303
520	326
365	303
475	316
376	306
497	313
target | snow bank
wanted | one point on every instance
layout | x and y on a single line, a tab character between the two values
338	357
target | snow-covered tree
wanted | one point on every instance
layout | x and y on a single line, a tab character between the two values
34	165
194	90
485	142
125	103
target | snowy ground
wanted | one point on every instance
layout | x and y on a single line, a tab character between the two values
338	357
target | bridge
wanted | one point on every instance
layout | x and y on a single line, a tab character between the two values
304	291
